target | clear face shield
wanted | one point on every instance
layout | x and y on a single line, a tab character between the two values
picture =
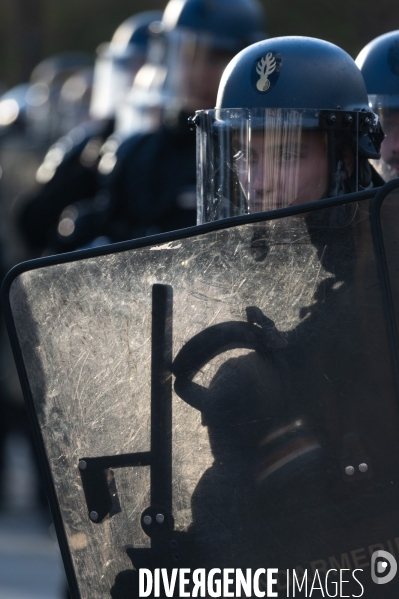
141	109
264	159
387	108
74	100
194	64
114	73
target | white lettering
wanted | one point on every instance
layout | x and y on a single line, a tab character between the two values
333	583
342	581
358	581
169	588
271	582
257	591
183	581
199	582
243	583
156	583
319	588
216	590
227	582
304	582
145	578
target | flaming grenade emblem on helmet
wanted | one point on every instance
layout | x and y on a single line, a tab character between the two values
265	67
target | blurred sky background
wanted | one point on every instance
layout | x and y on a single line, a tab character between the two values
31	30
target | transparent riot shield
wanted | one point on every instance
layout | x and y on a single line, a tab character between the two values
221	399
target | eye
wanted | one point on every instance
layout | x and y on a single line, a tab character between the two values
288	156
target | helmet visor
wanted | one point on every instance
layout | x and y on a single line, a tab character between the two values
195	62
263	159
113	78
387	108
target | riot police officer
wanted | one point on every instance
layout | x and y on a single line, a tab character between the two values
303	132
379	64
151	181
291	126
68	172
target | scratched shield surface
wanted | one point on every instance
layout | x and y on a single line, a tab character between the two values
280	354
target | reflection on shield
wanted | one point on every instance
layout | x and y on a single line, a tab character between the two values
218	398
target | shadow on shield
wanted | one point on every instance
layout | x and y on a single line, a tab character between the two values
223	397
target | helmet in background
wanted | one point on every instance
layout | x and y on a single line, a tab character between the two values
379	64
118	62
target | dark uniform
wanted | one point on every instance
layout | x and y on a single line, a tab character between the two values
152	187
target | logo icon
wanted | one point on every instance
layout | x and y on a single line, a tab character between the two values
265	67
383	567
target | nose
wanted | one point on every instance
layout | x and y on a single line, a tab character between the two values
257	176
263	187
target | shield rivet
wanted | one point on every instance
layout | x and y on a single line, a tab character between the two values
349	470
363	467
147	520
82	465
94	516
331	119
160	518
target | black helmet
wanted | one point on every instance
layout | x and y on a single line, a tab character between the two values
291	125
379	64
119	61
201	37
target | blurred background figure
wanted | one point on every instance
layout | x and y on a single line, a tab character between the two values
45	98
68	172
141	108
32	116
30	119
379	63
150	181
118	62
74	101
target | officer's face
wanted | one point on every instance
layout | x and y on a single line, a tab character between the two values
390	145
280	172
203	67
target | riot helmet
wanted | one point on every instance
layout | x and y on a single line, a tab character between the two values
75	98
118	62
292	125
379	64
141	110
43	115
201	37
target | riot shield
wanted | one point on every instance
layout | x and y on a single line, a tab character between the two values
220	399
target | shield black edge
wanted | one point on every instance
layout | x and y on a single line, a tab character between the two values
116	248
382	269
